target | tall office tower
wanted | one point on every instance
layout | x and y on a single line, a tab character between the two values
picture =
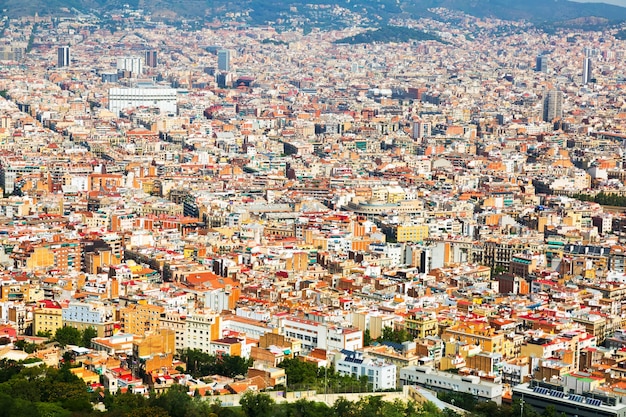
223	60
420	129
552	106
541	64
63	56
151	58
587	70
132	64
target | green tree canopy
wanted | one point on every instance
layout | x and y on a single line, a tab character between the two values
257	405
88	334
68	335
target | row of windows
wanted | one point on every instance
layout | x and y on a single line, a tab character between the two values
453	386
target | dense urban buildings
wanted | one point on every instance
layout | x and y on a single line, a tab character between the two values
445	214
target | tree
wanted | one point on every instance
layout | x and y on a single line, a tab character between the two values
367	338
232	366
394	409
47	334
428	409
305	408
371	406
195	360
390	334
68	335
25	346
344	408
52	410
257	405
124	403
175	401
460	399
8	369
68	358
299	373
88	334
147	412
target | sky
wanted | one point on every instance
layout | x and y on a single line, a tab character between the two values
615	2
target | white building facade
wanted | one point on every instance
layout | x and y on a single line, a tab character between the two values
124	98
130	63
445	381
381	375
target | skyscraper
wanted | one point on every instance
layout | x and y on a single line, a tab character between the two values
63	56
541	64
223	60
552	106
151	58
587	70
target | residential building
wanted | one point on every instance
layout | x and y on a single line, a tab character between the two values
177	322
380	374
446	381
95	314
47	317
140	318
201	329
421	324
579	401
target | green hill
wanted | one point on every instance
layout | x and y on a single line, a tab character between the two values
318	12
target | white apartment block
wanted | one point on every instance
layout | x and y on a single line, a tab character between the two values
217	299
199	330
312	334
344	338
130	63
445	381
254	314
380	374
243	326
316	335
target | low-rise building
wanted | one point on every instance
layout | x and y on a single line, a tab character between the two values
381	374
445	381
582	403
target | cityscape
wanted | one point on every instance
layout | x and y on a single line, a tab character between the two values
425	217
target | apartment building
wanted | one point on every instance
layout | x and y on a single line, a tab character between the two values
445	381
380	374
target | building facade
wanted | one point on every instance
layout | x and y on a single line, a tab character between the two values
381	374
124	98
445	381
63	56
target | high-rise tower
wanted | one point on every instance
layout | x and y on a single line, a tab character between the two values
541	64
151	58
63	56
552	106
587	70
223	60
